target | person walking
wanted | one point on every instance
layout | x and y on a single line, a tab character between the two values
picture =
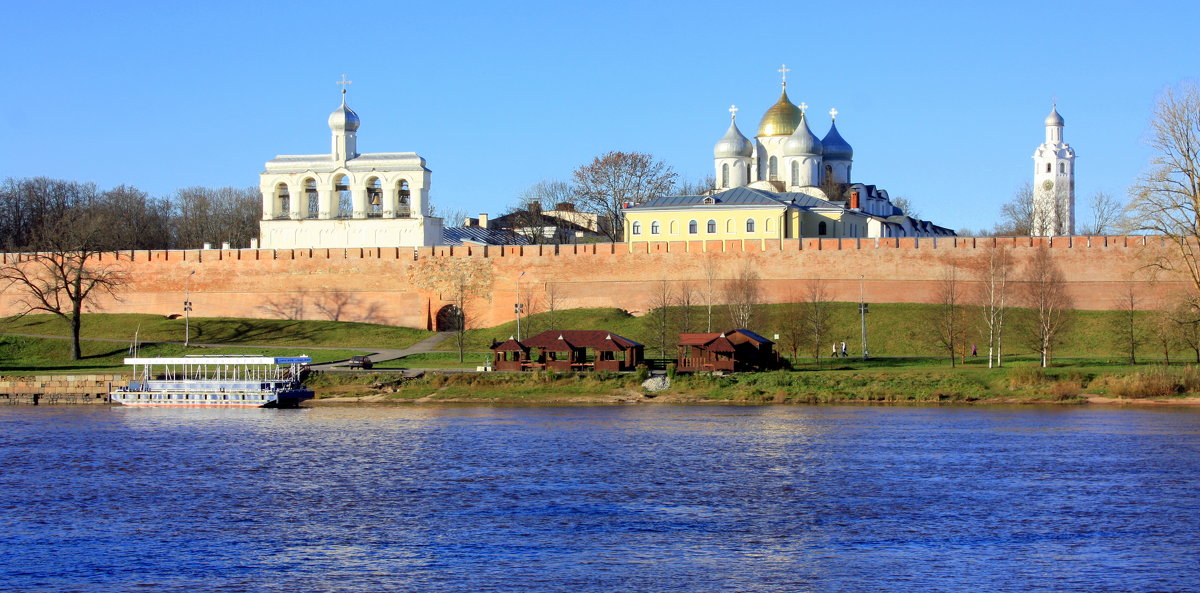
843	350
834	354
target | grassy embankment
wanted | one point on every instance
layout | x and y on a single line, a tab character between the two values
324	341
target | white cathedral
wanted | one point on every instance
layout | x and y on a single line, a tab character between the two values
347	199
1053	182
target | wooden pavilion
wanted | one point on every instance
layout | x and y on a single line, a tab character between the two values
569	350
735	350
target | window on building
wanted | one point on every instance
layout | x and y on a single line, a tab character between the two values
773	169
345	203
674	226
749	225
637	228
729	226
822	230
828	173
795	172
1062	167
725	175
1047	167
310	194
403	199
283	200
374	198
654	228
692	228
712	226
770	224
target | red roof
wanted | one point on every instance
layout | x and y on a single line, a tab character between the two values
579	338
509	345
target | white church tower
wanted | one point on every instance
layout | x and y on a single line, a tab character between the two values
1054	182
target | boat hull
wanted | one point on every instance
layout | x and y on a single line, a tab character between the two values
283	399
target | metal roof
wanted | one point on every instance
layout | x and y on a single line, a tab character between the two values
459	235
738	196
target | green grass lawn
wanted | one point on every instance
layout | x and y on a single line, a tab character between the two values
219	330
436	360
42	356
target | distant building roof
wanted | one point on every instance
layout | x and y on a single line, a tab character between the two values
474	235
738	196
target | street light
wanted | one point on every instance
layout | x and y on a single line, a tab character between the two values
519	306
187	308
862	313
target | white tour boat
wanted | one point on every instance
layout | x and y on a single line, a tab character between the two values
217	381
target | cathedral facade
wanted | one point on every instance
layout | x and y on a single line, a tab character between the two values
347	199
787	183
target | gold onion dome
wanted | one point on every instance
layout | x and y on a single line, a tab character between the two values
781	119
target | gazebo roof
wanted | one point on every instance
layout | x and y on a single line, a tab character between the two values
580	338
509	345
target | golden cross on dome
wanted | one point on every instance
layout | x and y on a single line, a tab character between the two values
784	70
733	111
803	107
344	82
833	113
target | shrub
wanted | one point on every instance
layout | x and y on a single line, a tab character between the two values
643	373
1026	377
1065	389
671	371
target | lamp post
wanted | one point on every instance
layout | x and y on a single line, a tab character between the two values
518	307
862	313
187	308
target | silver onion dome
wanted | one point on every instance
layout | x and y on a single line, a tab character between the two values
802	141
343	118
733	144
1054	119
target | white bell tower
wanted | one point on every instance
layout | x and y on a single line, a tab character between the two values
1053	182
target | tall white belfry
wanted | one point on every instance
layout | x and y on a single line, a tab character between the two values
347	199
1053	182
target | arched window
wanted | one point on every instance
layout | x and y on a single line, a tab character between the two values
654	228
1062	167
403	208
729	226
822	230
773	169
725	175
637	228
795	172
1047	167
374	198
692	228
310	194
749	225
770	224
345	204
712	226
674	227
283	201
828	173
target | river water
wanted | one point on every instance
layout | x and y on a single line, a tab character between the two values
657	498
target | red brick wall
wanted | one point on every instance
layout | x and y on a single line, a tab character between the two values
239	283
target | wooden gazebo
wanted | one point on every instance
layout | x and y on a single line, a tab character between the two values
569	350
735	350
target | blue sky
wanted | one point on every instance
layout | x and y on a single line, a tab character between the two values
942	102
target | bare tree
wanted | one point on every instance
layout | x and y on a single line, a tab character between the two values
1016	216
1165	332
742	295
661	324
72	264
615	179
817	315
1044	293
696	187
457	280
947	320
790	318
554	304
993	268
1107	215
1126	327
1187	319
686	299
206	215
528	217
1166	198
905	206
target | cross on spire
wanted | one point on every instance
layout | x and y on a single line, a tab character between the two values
733	111
803	107
833	113
344	82
784	70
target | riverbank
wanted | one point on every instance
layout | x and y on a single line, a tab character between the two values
928	386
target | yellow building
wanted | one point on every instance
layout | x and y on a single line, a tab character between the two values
746	213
